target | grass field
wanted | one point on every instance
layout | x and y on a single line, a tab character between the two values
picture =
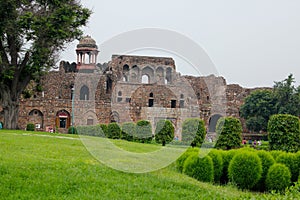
53	166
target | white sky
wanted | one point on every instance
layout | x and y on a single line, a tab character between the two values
251	42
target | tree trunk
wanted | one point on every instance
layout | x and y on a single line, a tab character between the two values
11	110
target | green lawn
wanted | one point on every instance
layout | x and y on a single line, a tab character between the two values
53	166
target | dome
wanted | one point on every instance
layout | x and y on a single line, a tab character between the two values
87	42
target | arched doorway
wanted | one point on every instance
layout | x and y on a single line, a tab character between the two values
36	117
63	119
213	122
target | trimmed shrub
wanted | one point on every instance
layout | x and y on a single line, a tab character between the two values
184	156
290	160
103	129
72	130
245	169
226	156
276	153
218	164
267	161
278	177
143	131
164	132
284	133
201	169
193	132
229	130
30	127
113	131
128	131
90	130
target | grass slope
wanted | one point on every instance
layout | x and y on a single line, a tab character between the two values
49	166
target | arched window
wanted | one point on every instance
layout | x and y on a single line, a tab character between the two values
84	93
151	95
151	100
145	79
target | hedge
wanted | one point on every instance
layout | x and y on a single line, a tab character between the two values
290	160
217	159
278	177
113	131
180	161
143	131
164	132
193	132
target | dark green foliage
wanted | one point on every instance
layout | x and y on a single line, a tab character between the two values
278	177
229	130
113	131
164	132
143	131
284	133
201	169
72	130
30	127
267	161
95	130
290	160
180	161
218	164
128	131
193	132
33	33
257	109
103	130
245	169
226	156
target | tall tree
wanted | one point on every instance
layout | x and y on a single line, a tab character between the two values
32	33
287	96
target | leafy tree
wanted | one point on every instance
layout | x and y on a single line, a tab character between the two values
229	130
143	131
32	33
164	132
128	130
257	109
113	130
287	97
193	132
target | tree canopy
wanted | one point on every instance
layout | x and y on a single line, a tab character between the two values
32	33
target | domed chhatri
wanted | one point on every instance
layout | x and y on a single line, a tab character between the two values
87	42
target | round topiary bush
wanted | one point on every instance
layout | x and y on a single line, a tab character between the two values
193	132
30	127
103	130
226	156
278	177
290	160
201	169
284	132
180	161
143	131
276	153
267	161
72	130
164	132
128	131
218	164
229	130
113	131
245	169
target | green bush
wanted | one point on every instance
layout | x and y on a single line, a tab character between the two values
218	164
113	131
128	131
276	153
229	130
245	169
103	130
193	132
290	160
267	161
94	130
72	130
226	156
278	177
284	133
143	131
201	169
30	127
164	132
184	156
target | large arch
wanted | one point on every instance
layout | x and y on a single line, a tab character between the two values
36	117
212	123
149	72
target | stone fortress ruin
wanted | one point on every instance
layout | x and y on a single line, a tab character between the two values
127	88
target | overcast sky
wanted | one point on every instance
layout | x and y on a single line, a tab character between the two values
251	42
